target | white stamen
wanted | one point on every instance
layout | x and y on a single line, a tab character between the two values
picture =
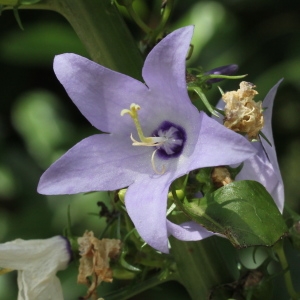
151	141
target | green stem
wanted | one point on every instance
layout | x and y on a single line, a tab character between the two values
202	96
166	15
164	19
137	19
131	291
278	247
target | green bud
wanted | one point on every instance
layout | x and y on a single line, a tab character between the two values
121	195
180	194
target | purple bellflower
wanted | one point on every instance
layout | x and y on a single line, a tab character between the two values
263	167
155	135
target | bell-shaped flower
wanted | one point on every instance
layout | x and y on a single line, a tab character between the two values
37	262
155	135
263	167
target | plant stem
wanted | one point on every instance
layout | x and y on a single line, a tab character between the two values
278	247
137	19
164	19
202	96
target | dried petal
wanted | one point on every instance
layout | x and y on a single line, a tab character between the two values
220	176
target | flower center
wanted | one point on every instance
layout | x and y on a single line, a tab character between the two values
174	137
168	138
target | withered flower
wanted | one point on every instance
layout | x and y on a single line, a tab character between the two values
94	261
242	113
221	176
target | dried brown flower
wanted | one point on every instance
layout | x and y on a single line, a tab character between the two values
242	113
220	176
94	261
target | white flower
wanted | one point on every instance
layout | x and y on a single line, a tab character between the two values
37	262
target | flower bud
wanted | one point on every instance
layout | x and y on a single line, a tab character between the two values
223	70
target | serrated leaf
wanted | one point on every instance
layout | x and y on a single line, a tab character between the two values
243	211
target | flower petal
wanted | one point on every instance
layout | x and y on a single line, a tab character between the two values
259	168
267	130
188	231
164	70
146	204
217	145
46	288
99	93
22	255
37	262
98	163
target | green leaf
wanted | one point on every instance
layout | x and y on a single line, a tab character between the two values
243	211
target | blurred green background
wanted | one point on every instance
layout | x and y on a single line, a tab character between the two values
38	122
